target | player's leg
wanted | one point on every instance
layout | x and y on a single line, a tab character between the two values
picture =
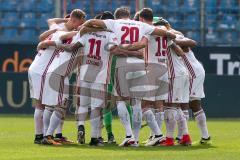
82	110
34	81
46	117
184	108
119	87
98	101
197	93
38	122
55	95
57	115
200	117
149	117
137	119
183	85
107	112
170	114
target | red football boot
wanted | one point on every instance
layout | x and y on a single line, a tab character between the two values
186	140
168	142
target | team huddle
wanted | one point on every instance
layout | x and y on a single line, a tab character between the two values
141	66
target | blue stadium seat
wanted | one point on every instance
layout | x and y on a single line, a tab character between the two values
156	5
45	6
229	37
228	21
192	21
83	5
100	5
194	35
8	5
10	22
12	15
175	21
26	6
29	36
42	22
211	6
10	34
190	6
117	3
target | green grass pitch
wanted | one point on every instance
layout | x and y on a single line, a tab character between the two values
16	143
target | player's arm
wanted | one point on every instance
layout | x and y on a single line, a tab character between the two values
68	35
176	48
163	32
45	44
70	47
45	34
137	45
95	23
185	42
85	30
116	50
56	21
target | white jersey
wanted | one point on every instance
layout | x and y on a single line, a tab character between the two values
156	50
195	68
96	61
44	58
128	31
63	62
59	26
176	65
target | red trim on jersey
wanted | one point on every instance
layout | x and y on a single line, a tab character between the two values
170	92
70	64
170	64
56	51
109	69
60	92
189	67
190	85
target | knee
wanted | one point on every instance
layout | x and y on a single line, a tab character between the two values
60	112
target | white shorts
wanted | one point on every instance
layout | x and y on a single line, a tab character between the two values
92	94
55	90
160	90
178	90
34	84
196	87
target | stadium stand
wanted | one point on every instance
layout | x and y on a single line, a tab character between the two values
221	18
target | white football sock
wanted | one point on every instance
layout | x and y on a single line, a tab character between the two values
60	127
46	119
82	113
170	116
159	118
151	121
182	122
100	127
186	114
54	122
124	117
202	123
137	119
95	121
38	120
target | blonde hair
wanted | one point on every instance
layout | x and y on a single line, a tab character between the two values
77	13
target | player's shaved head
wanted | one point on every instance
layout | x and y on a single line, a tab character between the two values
104	15
107	15
146	14
98	16
122	12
